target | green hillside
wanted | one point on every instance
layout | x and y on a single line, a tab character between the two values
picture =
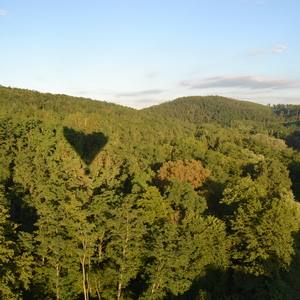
127	128
289	112
101	201
208	109
13	99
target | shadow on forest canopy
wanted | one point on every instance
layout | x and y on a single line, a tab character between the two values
87	146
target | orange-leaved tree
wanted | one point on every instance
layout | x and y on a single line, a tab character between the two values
191	171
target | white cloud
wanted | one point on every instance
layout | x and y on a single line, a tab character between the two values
244	82
257	51
3	12
141	93
254	1
276	49
279	48
151	75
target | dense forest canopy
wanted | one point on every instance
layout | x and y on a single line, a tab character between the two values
197	198
224	111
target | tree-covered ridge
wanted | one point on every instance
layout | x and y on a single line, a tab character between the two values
125	127
290	112
217	109
112	203
14	99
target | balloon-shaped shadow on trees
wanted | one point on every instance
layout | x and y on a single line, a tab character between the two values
86	145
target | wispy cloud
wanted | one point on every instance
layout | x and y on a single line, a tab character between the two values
257	51
3	12
151	75
259	2
276	49
245	82
279	48
141	93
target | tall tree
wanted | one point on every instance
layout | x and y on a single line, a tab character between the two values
261	225
15	257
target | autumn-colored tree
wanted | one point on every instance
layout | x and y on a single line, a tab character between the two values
191	171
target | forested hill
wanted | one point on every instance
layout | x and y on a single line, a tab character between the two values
209	109
290	112
15	100
197	110
101	201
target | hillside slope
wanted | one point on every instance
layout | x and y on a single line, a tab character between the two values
195	109
217	109
103	201
127	129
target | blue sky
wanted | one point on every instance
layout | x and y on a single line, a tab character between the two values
139	53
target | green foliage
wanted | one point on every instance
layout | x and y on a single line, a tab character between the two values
192	199
213	109
260	246
15	256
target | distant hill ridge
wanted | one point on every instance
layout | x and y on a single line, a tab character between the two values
206	109
196	109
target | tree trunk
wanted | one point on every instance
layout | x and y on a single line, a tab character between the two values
98	293
85	291
57	282
119	290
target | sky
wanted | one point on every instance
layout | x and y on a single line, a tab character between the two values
139	53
